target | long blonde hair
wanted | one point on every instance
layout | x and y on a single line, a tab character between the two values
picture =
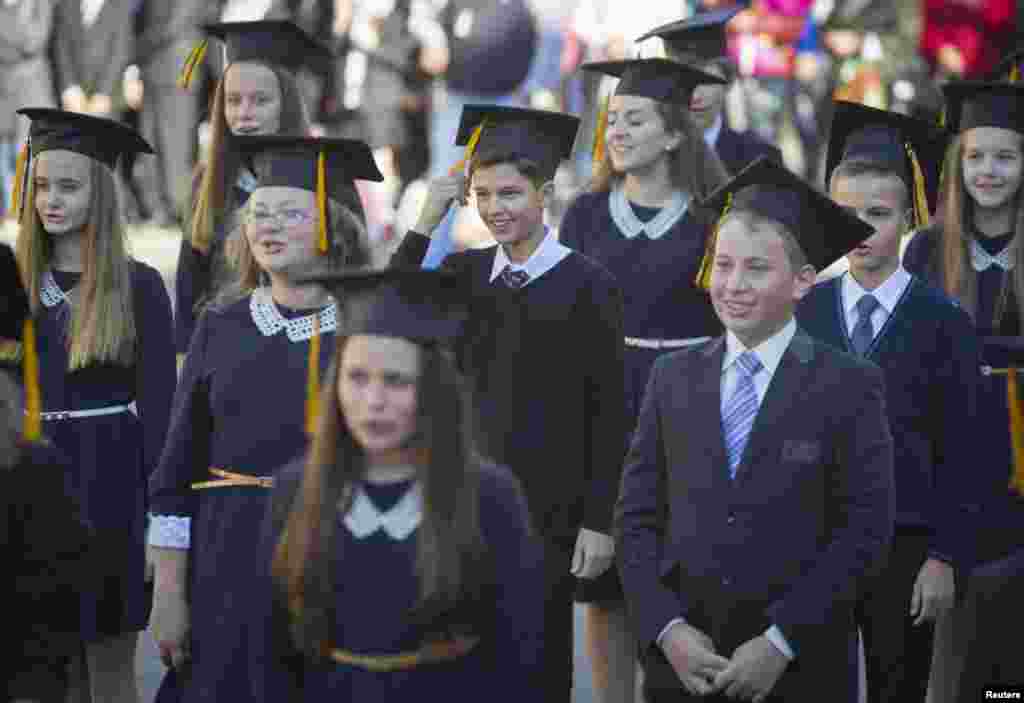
213	182
953	260
102	325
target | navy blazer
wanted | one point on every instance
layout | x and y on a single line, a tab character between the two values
737	149
790	540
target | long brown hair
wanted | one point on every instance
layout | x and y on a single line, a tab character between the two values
953	262
449	546
102	325
211	202
693	167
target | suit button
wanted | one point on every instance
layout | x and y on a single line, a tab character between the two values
731	520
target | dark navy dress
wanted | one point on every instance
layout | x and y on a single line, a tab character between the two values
112	455
1000	512
376	588
200	276
240	407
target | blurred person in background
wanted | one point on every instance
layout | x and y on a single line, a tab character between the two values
964	39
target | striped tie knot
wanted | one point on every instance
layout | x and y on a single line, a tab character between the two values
749	363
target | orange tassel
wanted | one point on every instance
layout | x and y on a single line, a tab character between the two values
321	201
33	430
19	180
195	57
703	279
313	379
920	198
1014	402
600	132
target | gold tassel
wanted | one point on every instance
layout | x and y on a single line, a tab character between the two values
323	243
19	178
1015	73
313	379
921	216
942	118
474	139
33	430
703	279
600	130
195	57
1014	402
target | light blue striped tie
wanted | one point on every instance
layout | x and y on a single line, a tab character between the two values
739	411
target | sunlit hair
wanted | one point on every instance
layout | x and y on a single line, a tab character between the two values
952	263
11	414
450	549
755	222
213	182
694	167
102	324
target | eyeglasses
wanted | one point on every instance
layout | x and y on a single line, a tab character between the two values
287	218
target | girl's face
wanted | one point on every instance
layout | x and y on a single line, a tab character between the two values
281	228
252	99
377	383
992	163
63	191
636	136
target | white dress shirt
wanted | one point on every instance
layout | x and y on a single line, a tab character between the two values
548	254
90	11
888	296
769	352
712	133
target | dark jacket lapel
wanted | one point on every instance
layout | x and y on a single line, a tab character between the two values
706	427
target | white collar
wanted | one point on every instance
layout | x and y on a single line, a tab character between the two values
769	352
712	133
888	294
50	294
630	225
270	321
364	518
549	253
981	260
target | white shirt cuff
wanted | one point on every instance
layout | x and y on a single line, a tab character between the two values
775	636
170	531
664	630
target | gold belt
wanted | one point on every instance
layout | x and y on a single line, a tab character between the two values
431	653
226	479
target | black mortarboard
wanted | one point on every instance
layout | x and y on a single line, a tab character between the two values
702	36
825	231
98	138
912	148
972	104
18	340
427	307
323	166
1008	69
544	137
277	42
1004	356
663	80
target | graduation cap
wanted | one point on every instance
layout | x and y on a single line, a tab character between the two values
1004	356
96	137
1008	69
18	339
825	231
542	136
278	42
972	104
702	36
912	148
663	80
323	166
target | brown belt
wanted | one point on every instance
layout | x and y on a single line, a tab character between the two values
431	653
226	479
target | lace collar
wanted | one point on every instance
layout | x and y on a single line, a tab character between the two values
364	518
981	260
247	181
270	321
631	226
50	294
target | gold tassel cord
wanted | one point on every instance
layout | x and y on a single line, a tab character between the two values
600	132
921	215
942	118
195	57
703	279
33	430
19	178
323	243
313	379
1015	74
1016	407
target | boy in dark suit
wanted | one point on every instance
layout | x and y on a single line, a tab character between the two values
700	41
545	354
757	493
928	350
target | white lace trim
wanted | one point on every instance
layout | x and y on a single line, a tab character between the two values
270	321
981	260
50	293
630	225
170	531
364	519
